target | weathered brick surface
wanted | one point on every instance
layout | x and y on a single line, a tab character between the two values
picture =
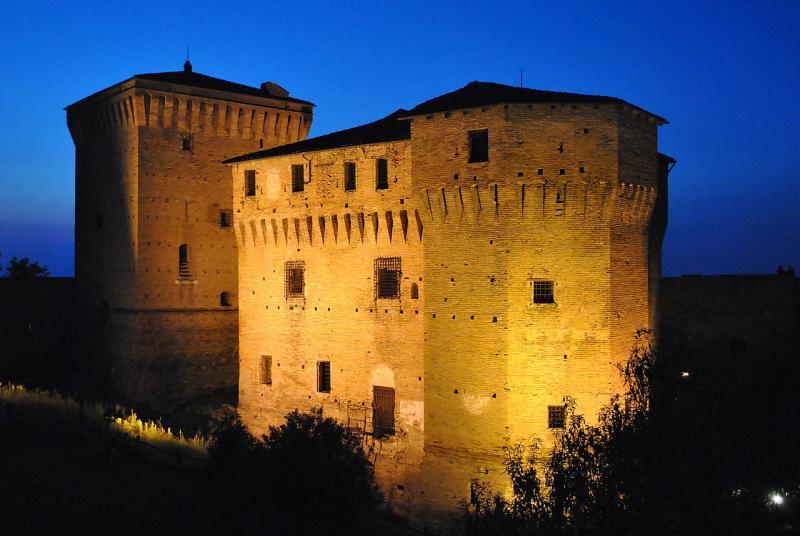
139	196
474	361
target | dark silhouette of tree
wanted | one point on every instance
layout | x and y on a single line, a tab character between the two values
25	269
675	454
307	476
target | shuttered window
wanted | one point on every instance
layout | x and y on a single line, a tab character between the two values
324	376
266	369
250	182
298	178
382	411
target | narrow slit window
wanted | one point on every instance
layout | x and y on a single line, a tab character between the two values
556	416
225	299
388	274
298	178
324	376
382	411
381	174
266	370
294	275
478	145
543	291
250	182
184	270
349	176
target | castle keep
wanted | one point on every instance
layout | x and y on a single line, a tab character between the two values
438	280
441	279
155	257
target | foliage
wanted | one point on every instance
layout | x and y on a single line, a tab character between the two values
305	476
25	269
655	463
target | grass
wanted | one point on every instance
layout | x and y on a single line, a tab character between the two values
61	415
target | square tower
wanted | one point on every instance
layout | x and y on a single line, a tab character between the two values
155	257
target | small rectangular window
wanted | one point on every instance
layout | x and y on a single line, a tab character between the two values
250	182
478	145
556	416
225	217
266	369
382	411
186	142
294	276
225	299
388	274
324	376
298	178
543	291
184	270
349	176
381	174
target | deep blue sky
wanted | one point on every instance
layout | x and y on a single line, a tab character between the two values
725	74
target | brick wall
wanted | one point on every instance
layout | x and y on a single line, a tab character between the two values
478	361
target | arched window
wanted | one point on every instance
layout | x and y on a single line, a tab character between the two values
414	291
225	299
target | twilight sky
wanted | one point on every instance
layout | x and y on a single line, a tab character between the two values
725	74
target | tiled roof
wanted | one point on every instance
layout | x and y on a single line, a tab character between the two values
190	78
477	94
390	128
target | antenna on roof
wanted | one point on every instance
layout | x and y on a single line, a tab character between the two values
187	66
520	77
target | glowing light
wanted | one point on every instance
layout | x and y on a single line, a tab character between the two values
684	374
776	499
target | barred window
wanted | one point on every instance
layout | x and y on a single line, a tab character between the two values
349	176
382	411
324	376
266	369
250	182
225	218
543	291
387	277
556	416
294	277
298	178
381	174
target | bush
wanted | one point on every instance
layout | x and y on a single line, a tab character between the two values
305	476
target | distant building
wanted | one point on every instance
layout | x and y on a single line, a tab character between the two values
155	257
442	278
729	316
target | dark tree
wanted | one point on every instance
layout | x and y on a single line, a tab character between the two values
25	269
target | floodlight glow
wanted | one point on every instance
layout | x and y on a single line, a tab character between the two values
684	374
776	499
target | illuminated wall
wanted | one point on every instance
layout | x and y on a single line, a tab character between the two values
149	178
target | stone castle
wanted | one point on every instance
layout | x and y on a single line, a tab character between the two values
438	280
